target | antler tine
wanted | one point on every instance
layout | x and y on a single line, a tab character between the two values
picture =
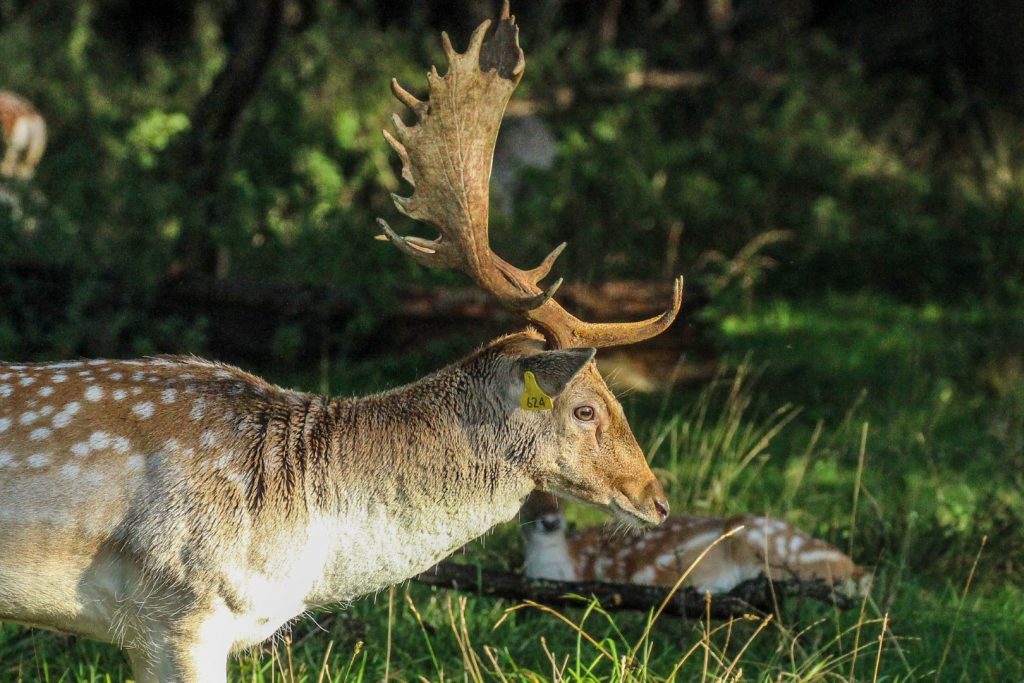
446	156
565	330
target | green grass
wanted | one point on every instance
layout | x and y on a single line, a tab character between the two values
891	430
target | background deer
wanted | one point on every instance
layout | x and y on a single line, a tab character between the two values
184	509
763	547
24	133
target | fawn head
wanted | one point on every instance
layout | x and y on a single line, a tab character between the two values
589	452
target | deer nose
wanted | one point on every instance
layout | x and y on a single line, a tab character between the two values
661	507
656	496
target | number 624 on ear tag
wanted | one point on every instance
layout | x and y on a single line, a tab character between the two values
533	397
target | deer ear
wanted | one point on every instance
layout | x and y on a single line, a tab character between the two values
555	369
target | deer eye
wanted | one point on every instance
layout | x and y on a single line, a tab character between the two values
584	413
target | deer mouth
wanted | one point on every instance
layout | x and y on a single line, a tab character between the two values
624	511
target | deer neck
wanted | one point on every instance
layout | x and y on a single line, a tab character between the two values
413	475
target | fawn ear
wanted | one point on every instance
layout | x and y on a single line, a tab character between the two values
555	369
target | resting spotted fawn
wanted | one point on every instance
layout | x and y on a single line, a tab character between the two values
762	547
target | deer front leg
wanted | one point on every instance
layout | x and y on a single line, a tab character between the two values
195	652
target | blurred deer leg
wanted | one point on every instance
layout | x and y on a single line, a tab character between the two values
36	147
184	658
10	162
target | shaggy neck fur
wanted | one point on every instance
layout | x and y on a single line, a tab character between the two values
388	485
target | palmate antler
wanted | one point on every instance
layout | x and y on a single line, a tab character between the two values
446	157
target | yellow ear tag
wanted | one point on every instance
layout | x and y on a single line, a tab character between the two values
533	397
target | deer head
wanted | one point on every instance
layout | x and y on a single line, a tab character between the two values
446	157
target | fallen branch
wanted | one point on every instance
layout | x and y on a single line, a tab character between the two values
753	596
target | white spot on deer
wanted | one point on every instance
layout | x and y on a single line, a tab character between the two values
780	545
6	390
28	417
144	410
829	556
666	559
644	576
39	434
46	391
198	409
5	424
136	462
38	460
756	537
6	459
65	365
81	449
222	374
208	439
7	375
94	393
795	543
25	381
59	378
169	396
700	541
46	410
93	477
116	376
98	361
120	394
138	376
99	440
136	391
70	470
85	374
172	445
63	418
121	444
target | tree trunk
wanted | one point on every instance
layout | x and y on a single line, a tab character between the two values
252	30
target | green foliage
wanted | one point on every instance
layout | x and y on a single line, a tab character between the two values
879	184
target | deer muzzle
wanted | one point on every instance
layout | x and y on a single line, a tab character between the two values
641	504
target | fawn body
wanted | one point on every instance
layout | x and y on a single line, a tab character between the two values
24	133
760	546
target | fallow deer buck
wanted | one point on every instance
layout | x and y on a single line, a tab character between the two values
760	546
24	132
184	509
